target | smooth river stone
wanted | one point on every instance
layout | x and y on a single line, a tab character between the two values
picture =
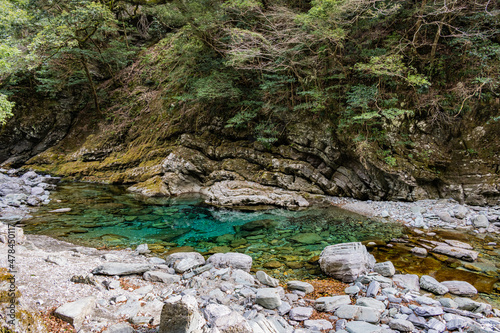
118	268
460	288
307	238
456	252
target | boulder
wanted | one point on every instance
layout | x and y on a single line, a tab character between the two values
460	288
431	284
268	298
300	313
371	303
357	312
346	262
174	258
75	312
246	193
299	285
330	304
401	325
266	279
428	311
231	259
187	264
232	323
181	315
214	311
318	325
410	281
118	268
385	268
480	221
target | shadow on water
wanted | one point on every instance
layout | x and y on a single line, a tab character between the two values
285	243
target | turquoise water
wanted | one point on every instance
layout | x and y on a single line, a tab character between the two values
284	243
279	239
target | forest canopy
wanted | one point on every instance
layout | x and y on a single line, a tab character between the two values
360	63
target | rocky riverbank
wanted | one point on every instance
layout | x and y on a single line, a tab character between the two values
21	192
131	291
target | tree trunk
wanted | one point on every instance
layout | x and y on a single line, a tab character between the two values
91	83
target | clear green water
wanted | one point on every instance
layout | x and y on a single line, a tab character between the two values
284	243
279	239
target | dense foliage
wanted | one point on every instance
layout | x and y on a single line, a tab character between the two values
362	64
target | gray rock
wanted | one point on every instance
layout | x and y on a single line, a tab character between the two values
385	268
266	279
172	259
242	277
456	252
436	325
448	303
401	325
460	288
358	313
214	311
466	304
233	322
456	324
373	289
118	268
330	304
186	264
352	290
300	313
480	221
346	261
157	261
157	276
431	284
410	281
75	312
231	259
268	298
460	212
129	309
181	316
302	286
262	324
142	249
417	320
428	311
362	327
318	325
460	244
284	308
366	279
371	303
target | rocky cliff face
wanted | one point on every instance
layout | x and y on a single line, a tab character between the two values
458	161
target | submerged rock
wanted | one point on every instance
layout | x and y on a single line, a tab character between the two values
456	252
